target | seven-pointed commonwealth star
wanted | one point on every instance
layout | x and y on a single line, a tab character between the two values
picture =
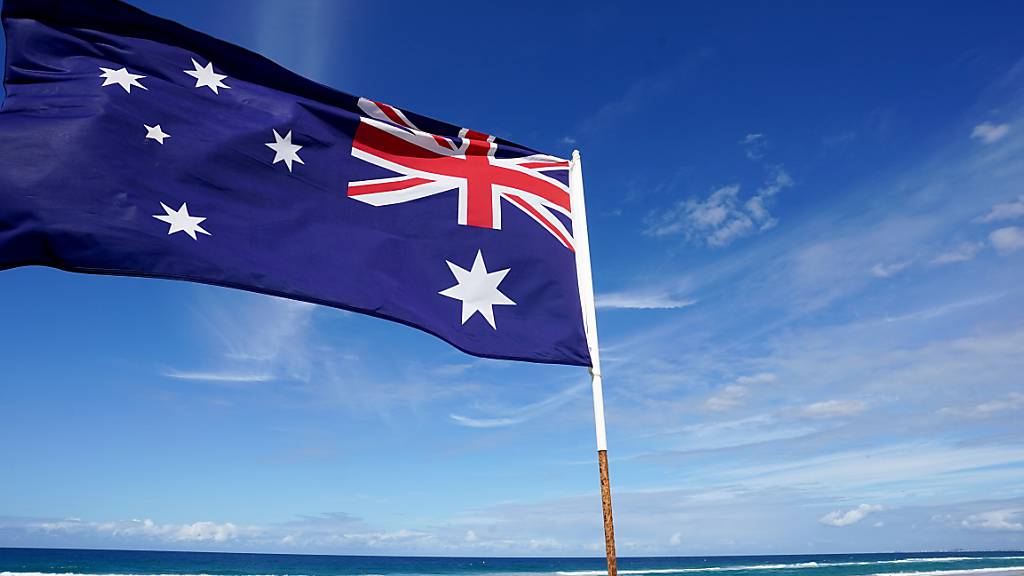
123	77
181	221
156	133
205	76
478	290
284	149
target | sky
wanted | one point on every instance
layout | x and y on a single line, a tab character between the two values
807	224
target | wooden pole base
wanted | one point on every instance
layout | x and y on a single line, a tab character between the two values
606	505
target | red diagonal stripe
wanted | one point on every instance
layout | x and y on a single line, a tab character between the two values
393	186
536	165
524	205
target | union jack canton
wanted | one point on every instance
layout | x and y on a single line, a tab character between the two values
430	164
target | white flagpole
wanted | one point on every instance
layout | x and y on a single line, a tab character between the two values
581	239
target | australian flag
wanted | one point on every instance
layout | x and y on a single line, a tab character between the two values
131	145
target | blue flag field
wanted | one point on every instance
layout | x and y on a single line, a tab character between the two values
131	145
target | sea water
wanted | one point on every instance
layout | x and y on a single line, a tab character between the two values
44	562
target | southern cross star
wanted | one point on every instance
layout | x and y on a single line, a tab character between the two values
478	290
181	221
156	133
122	77
205	76
284	150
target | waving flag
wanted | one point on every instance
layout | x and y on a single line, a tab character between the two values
131	145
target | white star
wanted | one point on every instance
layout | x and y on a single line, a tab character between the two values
478	290
181	221
285	150
123	77
205	76
156	133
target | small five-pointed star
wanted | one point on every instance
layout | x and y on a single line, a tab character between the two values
478	290
122	77
156	133
205	76
284	150
181	221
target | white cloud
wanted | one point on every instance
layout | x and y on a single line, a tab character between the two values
485	422
962	253
839	518
728	397
1008	520
778	180
568	140
989	133
887	270
1007	240
834	408
644	299
471	536
676	539
222	377
733	394
1004	211
723	217
148	529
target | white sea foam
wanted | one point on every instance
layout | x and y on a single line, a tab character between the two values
689	570
800	565
954	572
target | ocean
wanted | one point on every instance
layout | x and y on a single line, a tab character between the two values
44	562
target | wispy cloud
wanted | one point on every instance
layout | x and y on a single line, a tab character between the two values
1004	211
944	309
657	298
257	339
320	22
521	414
727	398
1013	402
1007	520
754	145
223	377
732	395
639	94
840	518
882	270
724	216
990	133
835	408
962	253
1007	240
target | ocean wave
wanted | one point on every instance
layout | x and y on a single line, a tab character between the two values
799	565
954	572
5	573
689	570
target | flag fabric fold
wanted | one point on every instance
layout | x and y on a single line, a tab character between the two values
131	145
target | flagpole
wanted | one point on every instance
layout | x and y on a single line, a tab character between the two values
586	281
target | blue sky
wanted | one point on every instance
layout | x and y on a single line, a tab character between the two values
808	235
